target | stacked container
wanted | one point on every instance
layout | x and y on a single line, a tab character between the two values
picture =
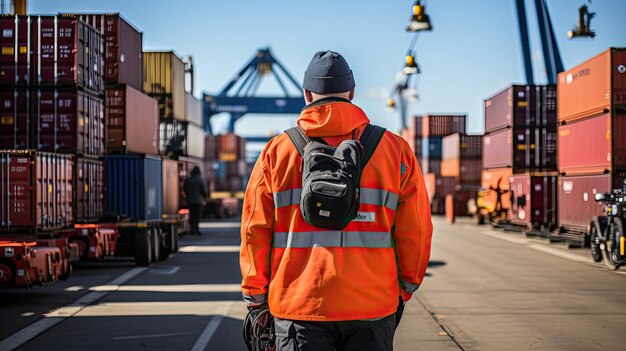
229	167
52	75
592	137
434	128
520	148
413	135
461	160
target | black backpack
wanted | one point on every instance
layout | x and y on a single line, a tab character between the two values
331	176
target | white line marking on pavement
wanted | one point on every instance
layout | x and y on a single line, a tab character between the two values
209	248
180	288
559	253
210	329
57	316
131	337
219	225
164	270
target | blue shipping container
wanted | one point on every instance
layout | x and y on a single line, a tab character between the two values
432	147
134	186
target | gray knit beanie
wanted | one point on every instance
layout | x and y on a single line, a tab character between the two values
328	73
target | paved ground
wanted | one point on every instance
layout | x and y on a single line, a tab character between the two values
485	290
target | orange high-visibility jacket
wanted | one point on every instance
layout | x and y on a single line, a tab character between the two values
317	274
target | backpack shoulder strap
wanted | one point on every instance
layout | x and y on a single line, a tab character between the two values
370	138
298	138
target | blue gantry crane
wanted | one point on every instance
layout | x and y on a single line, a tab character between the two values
238	98
550	49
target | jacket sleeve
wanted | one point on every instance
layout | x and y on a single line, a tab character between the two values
257	231
413	226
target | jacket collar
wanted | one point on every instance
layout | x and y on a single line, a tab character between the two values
326	100
331	117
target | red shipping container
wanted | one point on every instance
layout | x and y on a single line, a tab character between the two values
494	179
36	190
211	152
577	205
231	148
523	149
521	106
593	145
69	122
123	48
462	146
133	121
533	201
60	50
15	127
171	186
89	189
592	87
442	125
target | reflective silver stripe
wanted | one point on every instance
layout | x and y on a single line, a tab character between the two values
369	196
256	298
379	197
331	238
287	198
408	287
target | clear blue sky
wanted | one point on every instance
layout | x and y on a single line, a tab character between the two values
472	52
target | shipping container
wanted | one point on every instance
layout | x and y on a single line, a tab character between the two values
123	48
89	189
52	120
36	190
462	146
493	179
211	150
594	87
133	121
181	139
593	145
533	201
134	186
438	125
523	149
521	106
171	186
438	188
231	147
432	147
185	166
164	79
456	204
15	125
577	205
68	122
51	51
193	108
467	170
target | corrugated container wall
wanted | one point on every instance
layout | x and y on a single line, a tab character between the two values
89	190
36	190
164	79
523	149
134	186
194	109
171	187
577	205
211	153
133	121
462	146
52	120
181	139
533	201
123	48
585	145
432	147
442	125
231	147
60	51
590	88
521	106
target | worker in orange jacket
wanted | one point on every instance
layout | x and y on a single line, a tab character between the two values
338	294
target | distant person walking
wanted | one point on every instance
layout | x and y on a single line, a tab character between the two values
334	282
195	193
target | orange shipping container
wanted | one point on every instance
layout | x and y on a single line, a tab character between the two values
468	171
493	178
593	86
170	186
